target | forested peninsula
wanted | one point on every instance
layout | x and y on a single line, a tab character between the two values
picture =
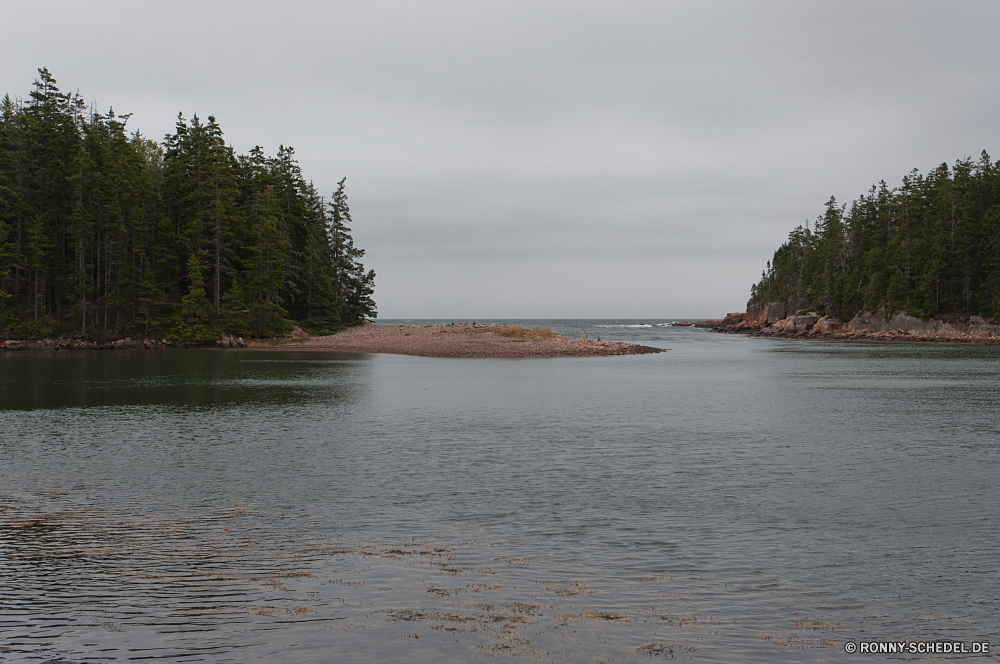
105	233
920	261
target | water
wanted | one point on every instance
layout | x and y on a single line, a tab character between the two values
733	499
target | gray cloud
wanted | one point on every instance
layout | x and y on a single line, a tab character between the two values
553	158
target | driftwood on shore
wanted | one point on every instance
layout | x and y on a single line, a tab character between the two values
459	341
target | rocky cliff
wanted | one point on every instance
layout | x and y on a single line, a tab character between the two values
767	314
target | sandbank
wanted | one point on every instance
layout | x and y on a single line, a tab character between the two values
455	340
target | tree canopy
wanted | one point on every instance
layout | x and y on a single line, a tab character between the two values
106	232
930	247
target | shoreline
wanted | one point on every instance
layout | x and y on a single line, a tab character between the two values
431	340
864	327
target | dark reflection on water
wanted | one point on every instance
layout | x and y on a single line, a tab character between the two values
192	379
732	500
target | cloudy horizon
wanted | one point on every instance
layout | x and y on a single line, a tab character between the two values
557	159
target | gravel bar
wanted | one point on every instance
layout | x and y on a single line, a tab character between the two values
456	340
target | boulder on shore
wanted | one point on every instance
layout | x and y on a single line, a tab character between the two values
796	324
734	318
230	341
827	325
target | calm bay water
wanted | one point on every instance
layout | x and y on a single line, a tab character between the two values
731	500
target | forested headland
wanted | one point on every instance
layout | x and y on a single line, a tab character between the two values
929	248
107	233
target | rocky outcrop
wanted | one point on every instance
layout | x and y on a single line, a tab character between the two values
865	326
900	322
734	318
982	326
827	325
796	324
762	315
711	323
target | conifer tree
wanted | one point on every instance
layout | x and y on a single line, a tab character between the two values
266	272
196	309
354	287
929	247
103	232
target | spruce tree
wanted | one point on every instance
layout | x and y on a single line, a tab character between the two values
354	287
105	232
928	247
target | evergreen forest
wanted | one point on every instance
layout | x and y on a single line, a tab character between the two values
930	248
106	233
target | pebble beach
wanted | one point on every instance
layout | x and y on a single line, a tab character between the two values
459	340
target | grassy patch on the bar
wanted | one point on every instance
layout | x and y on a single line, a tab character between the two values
519	331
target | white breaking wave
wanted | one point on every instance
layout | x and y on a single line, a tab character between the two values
639	325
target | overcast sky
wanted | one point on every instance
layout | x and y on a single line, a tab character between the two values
550	159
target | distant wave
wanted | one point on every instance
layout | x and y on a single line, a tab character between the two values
639	325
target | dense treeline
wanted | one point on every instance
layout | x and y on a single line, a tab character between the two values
930	247
105	232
